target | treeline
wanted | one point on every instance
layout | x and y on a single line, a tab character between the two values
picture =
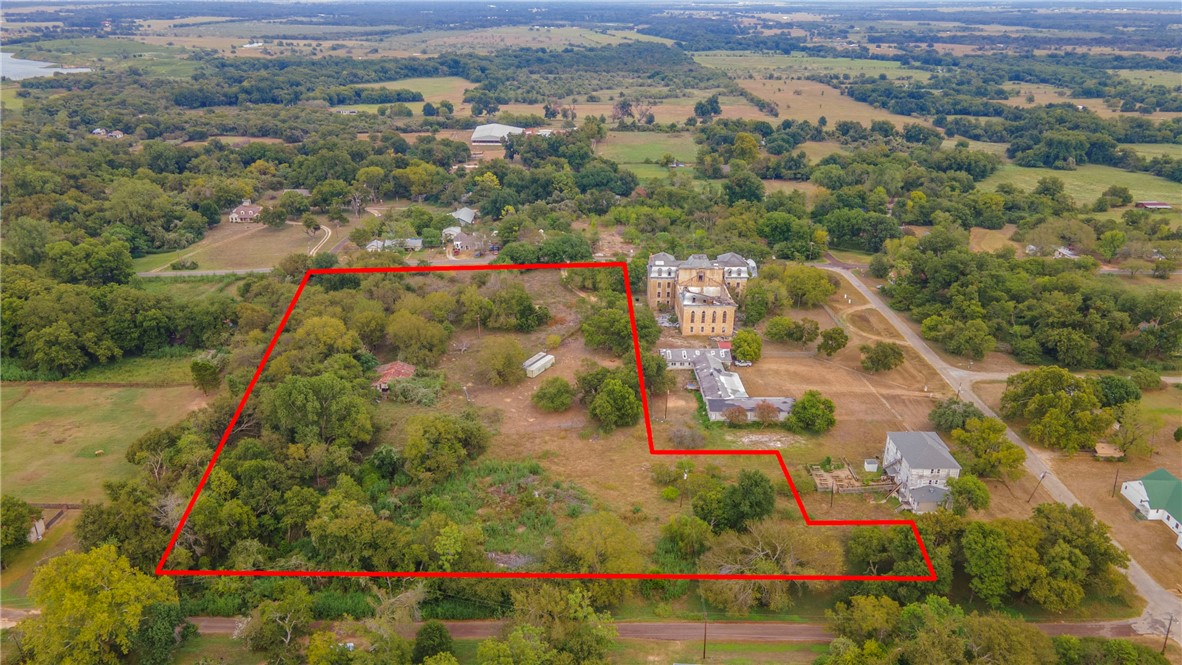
1041	310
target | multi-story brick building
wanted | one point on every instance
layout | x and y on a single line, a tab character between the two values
701	291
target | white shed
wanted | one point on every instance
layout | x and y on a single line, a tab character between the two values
538	363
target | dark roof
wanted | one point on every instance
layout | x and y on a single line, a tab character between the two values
748	404
934	494
697	261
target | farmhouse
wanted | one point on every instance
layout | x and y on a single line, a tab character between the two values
1153	205
467	242
245	212
465	215
116	134
538	363
98	131
1157	496
701	291
721	389
921	465
409	244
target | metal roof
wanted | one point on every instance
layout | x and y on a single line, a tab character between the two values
1164	492
494	132
923	450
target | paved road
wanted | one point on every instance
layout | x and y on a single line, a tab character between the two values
1161	603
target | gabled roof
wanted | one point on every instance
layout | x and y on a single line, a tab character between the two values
697	261
494	132
394	370
732	260
1164	492
923	450
465	215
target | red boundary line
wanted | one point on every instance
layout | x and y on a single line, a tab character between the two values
161	570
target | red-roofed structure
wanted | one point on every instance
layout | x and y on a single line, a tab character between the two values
394	370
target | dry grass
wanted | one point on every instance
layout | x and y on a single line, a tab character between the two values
990	240
817	99
240	246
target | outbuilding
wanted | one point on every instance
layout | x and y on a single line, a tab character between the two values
538	363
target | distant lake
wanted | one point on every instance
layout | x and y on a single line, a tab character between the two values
16	69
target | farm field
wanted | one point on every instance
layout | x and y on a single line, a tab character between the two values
237	246
1086	183
1044	94
8	99
51	432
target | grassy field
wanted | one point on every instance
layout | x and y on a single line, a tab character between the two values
51	432
432	89
989	240
220	649
1152	76
635	147
1154	149
140	371
809	100
14	583
86	52
238	246
191	288
9	100
1086	183
801	64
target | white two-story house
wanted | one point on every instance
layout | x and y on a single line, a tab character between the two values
921	464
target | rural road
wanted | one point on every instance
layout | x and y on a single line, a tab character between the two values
681	631
1161	603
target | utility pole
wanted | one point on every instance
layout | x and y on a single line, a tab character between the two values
1041	476
1166	641
1114	478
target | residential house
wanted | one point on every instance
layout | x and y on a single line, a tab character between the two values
921	465
98	131
408	244
1157	496
245	212
465	215
700	290
467	242
116	134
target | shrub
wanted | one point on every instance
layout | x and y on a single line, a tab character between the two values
881	357
554	395
1146	379
687	438
670	494
432	639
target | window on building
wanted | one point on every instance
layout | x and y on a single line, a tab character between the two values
701	275
714	316
711	330
693	316
724	316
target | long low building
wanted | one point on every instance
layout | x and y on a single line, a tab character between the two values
721	389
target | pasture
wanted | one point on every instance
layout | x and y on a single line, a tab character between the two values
8	99
991	240
433	89
636	147
239	246
1087	182
809	100
739	61
1152	150
51	432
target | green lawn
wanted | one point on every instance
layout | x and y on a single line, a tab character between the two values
1086	183
51	432
647	172
1152	76
635	147
14	582
192	288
